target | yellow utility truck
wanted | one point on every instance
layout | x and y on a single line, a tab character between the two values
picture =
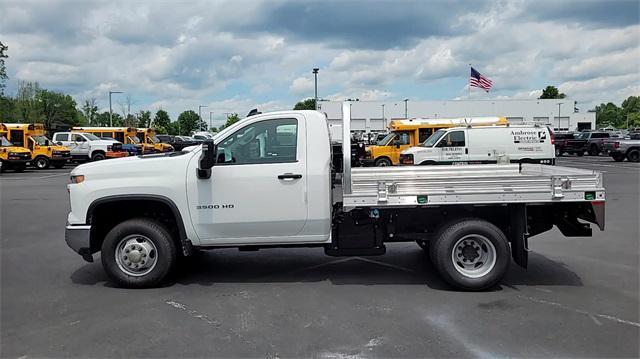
44	152
148	137
11	156
405	133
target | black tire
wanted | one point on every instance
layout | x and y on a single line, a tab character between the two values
442	251
618	157
593	150
558	152
382	162
41	163
58	164
580	154
166	252
19	168
98	156
633	155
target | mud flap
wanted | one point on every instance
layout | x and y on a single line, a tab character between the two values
518	235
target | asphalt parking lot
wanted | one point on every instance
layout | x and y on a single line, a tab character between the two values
578	298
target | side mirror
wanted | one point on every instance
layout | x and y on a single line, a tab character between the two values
207	159
59	143
46	143
397	144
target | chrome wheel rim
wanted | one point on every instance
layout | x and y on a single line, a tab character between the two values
136	255
40	163
473	256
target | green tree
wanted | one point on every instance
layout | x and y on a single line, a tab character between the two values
90	110
189	121
144	118
131	121
56	109
3	68
26	107
7	108
631	111
551	92
308	104
608	115
231	119
161	121
102	119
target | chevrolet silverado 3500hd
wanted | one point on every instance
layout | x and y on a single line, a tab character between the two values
268	181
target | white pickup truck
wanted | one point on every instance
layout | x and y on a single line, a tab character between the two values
268	181
84	146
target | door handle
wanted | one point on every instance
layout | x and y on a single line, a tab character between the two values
289	176
466	150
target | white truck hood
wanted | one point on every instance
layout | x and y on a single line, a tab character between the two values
416	150
159	164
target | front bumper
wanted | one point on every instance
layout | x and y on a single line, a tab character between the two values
78	238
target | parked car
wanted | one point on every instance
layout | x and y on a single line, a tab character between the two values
484	144
587	141
88	147
619	149
561	141
178	142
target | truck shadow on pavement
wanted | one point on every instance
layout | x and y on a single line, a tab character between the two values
407	266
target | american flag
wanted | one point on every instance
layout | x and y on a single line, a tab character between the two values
477	80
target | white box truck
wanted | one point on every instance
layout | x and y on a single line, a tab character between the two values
484	144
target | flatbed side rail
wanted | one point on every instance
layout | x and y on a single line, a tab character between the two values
471	184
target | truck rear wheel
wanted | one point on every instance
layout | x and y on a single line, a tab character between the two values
593	150
41	163
618	157
138	253
470	254
382	162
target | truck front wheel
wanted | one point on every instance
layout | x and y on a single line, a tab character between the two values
633	155
470	254
382	162
138	253
97	156
41	163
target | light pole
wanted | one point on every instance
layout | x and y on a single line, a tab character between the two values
210	119
405	107
559	104
384	120
110	110
315	76
200	107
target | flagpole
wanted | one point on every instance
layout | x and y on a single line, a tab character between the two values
469	83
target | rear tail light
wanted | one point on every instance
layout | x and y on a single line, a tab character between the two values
553	138
616	144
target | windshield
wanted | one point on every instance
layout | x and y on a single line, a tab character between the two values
4	142
187	138
584	136
92	137
153	139
433	138
40	140
133	139
386	139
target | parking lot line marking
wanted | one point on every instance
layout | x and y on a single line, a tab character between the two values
580	311
56	175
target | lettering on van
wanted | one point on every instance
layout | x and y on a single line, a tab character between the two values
529	136
215	206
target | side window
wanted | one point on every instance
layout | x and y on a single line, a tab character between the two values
77	138
61	137
270	141
452	139
403	138
119	136
423	134
17	137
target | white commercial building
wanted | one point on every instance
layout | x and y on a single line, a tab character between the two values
375	115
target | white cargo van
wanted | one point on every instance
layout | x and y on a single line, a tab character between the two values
484	144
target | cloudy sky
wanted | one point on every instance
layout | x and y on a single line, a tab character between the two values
237	55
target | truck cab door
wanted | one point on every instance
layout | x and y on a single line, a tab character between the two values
401	142
257	191
453	149
78	145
